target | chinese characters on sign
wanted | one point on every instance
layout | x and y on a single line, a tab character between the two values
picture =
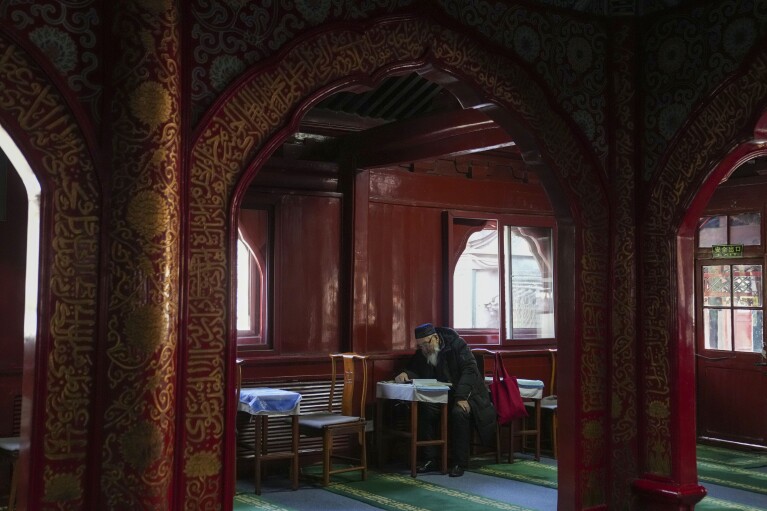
727	251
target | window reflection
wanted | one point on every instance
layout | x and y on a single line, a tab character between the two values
529	283
475	280
519	263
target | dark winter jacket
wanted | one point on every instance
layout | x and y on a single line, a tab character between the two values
456	365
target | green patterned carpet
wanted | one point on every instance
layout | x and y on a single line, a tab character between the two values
398	492
734	477
724	456
527	471
712	504
244	502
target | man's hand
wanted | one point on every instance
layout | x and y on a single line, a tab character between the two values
464	405
402	377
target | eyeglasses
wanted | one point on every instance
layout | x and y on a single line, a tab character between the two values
425	342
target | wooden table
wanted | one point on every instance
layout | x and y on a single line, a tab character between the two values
413	394
265	402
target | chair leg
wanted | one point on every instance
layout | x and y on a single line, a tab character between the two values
14	483
364	456
554	427
497	443
511	442
327	446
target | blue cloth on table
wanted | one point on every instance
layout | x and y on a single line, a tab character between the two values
265	400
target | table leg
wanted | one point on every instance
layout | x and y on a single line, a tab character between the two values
413	437
294	432
444	437
538	430
258	446
379	433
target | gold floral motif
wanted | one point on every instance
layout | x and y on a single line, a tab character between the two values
203	464
142	445
145	329
63	488
150	103
658	409
593	430
148	214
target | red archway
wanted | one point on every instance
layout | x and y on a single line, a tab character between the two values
59	361
675	198
258	113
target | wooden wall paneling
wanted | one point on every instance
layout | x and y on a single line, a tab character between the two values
359	265
748	193
727	413
308	314
405	273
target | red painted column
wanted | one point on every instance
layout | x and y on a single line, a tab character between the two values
138	392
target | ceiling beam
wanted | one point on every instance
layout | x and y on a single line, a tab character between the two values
445	134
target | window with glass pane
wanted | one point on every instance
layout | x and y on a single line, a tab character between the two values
712	231
737	229
252	259
529	293
244	306
475	281
733	307
746	229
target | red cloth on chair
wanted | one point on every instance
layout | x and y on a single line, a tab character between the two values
504	392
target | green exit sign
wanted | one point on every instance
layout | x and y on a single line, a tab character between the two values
727	251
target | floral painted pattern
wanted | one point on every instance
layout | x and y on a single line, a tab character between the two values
224	70
57	45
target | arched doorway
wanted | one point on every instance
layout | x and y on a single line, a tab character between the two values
57	390
234	141
674	201
728	333
20	215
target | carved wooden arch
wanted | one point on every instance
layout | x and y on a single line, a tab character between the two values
727	128
258	113
46	131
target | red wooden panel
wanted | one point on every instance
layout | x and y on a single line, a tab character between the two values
404	273
732	402
307	300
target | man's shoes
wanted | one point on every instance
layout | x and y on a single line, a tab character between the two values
429	466
456	471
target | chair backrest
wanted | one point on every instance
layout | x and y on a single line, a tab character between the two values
239	362
355	383
553	380
479	355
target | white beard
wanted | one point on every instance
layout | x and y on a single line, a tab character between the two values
432	358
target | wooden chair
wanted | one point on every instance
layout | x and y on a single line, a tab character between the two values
550	402
349	420
9	448
479	355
